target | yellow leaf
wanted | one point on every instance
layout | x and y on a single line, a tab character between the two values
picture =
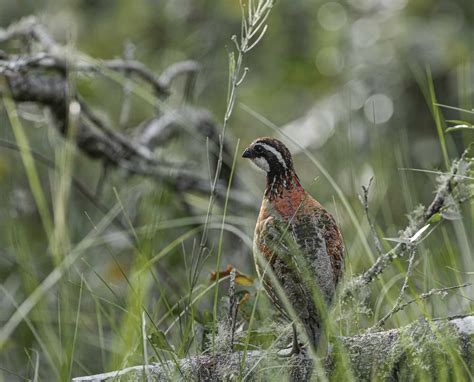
244	280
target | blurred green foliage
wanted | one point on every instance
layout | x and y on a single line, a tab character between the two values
352	81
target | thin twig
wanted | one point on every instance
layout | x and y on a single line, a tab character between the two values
189	68
365	203
424	296
128	54
401	295
62	60
79	64
28	26
431	292
445	195
233	306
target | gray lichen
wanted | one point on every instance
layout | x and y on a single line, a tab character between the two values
423	350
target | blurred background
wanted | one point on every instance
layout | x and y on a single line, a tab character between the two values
354	83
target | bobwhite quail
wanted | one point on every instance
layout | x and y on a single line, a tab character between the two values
297	238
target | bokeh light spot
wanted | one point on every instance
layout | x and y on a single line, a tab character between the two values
378	108
332	16
365	32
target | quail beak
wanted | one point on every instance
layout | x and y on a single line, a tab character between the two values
247	153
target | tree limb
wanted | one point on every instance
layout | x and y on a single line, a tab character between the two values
42	77
385	355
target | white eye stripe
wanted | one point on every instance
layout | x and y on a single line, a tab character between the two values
261	163
275	152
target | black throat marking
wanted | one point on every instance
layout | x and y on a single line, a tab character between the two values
277	183
280	173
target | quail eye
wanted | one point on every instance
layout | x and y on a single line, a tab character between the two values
258	149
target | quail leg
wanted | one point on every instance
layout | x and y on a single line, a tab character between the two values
296	346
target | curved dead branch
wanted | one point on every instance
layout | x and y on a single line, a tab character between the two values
42	77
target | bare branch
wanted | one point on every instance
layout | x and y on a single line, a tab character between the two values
42	78
444	197
128	54
426	295
55	57
28	27
159	131
99	141
78	64
396	306
381	356
189	68
365	203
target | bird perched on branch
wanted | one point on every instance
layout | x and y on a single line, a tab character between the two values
298	247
